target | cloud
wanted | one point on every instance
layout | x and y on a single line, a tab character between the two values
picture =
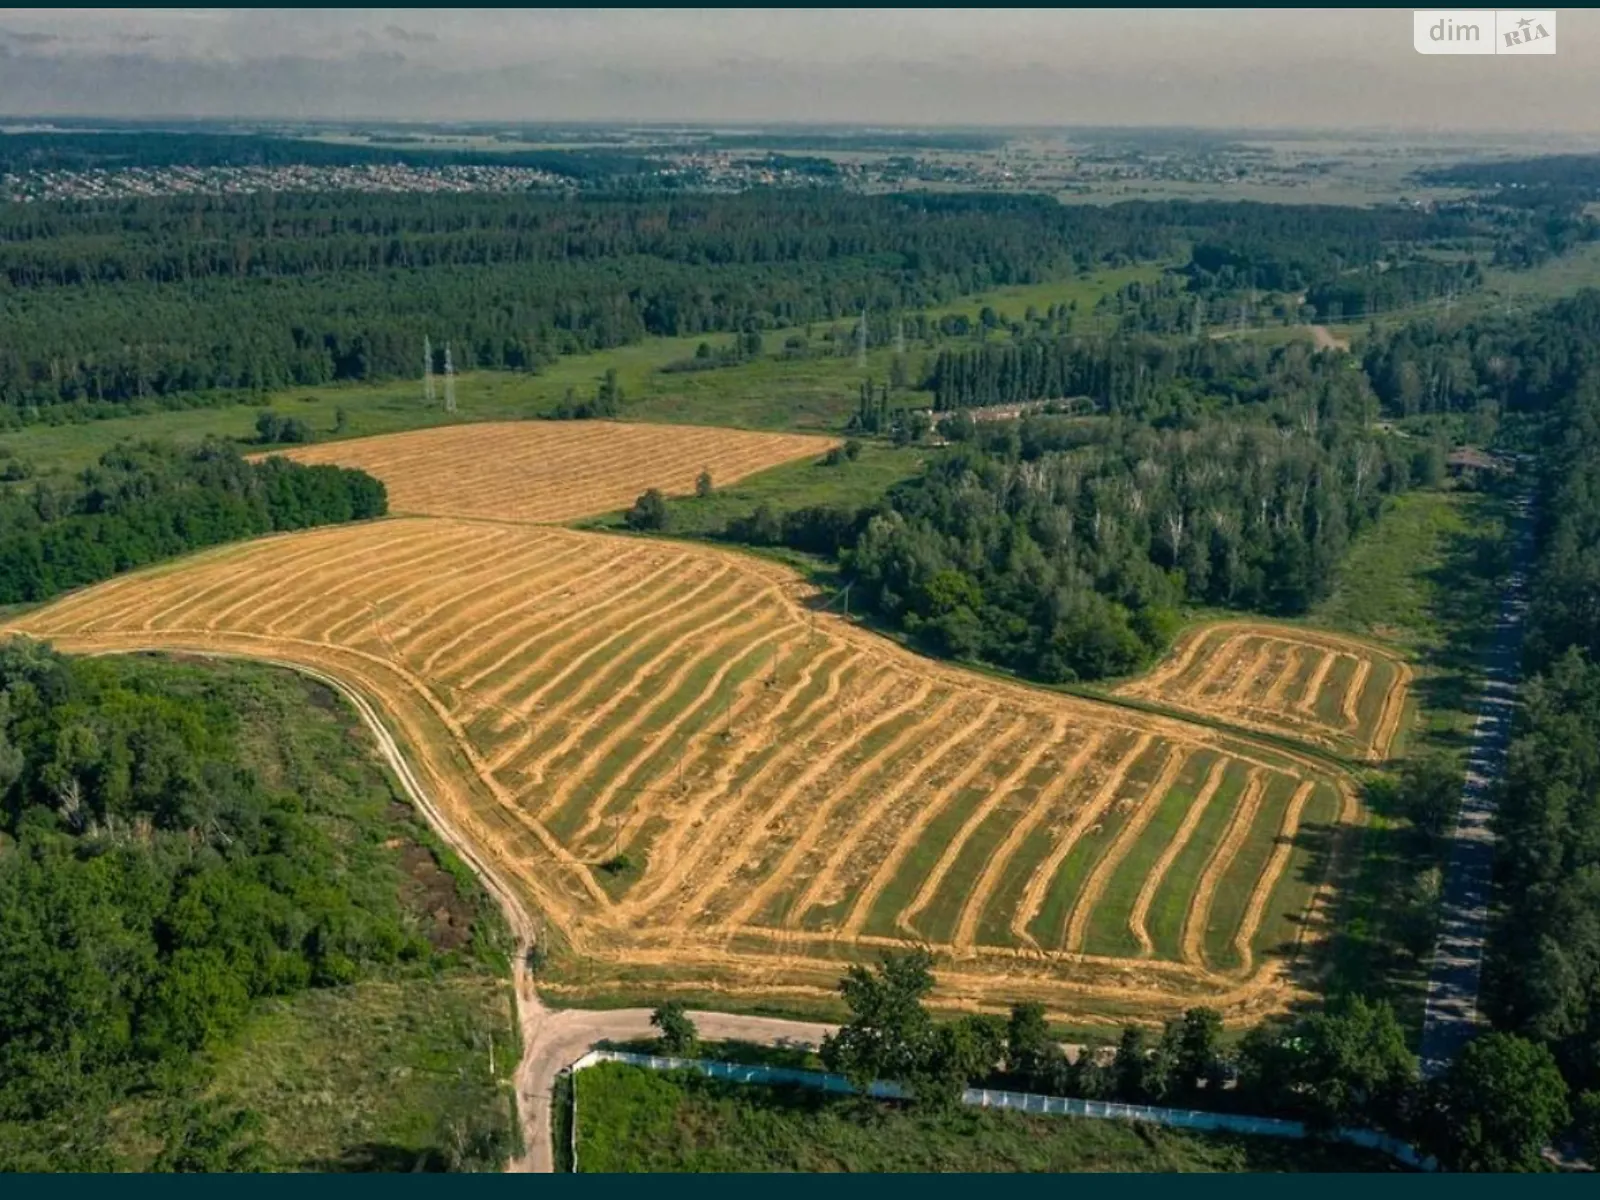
26	38
407	35
1324	68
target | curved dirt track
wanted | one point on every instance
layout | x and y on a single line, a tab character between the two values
551	1039
563	1036
766	766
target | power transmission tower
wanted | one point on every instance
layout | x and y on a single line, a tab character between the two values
427	369
861	342
900	335
449	382
1199	320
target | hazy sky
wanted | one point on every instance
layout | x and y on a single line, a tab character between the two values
1305	67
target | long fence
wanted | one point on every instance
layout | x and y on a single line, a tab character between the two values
1026	1102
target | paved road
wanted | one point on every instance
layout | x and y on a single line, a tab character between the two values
1451	1018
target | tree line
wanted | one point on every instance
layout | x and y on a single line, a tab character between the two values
112	303
347	287
1486	361
1066	551
1345	1066
154	886
109	149
144	502
1149	378
1543	973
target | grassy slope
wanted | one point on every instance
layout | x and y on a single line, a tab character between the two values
848	484
630	1119
388	1072
769	392
1424	579
383	1075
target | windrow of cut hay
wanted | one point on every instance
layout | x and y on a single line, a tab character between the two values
706	783
548	472
1339	693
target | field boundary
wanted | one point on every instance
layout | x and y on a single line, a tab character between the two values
690	907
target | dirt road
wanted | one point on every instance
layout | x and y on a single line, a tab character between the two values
562	1037
551	1040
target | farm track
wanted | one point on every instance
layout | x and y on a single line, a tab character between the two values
551	680
493	648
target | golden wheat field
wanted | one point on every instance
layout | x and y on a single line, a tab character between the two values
554	471
703	783
1337	692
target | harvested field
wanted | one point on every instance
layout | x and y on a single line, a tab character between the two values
705	784
1332	691
554	471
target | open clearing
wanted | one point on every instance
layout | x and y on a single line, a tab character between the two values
1337	692
553	471
704	784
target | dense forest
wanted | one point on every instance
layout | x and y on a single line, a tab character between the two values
1510	363
1539	175
156	882
147	502
115	302
1149	378
112	149
1516	363
1066	551
1545	967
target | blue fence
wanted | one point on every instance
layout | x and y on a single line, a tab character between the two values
1027	1102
